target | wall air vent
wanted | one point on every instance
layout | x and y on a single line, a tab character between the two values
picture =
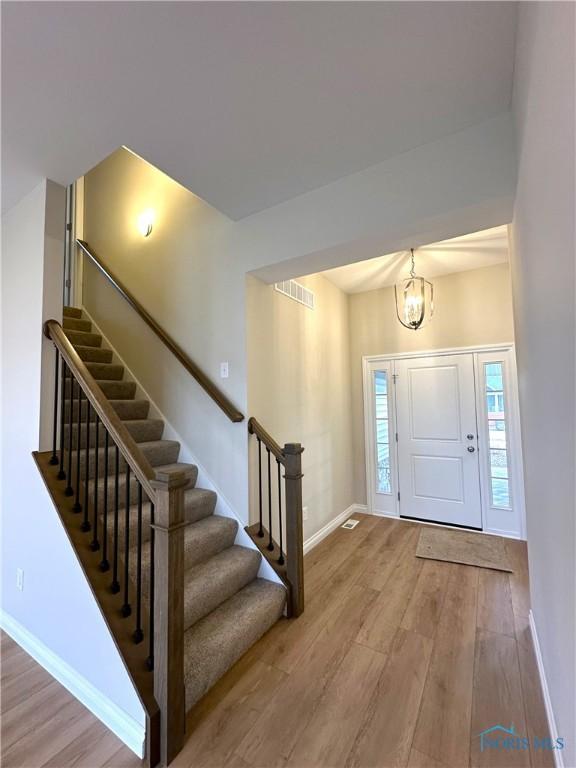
296	291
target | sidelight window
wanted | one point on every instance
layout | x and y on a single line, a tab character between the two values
383	479
497	434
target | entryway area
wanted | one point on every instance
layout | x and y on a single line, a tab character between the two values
442	438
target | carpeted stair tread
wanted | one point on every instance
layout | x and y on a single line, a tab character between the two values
94	354
212	645
212	582
76	324
207	538
126	409
190	470
106	371
157	452
84	339
142	430
113	390
198	503
71	312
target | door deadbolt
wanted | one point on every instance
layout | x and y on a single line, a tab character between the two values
471	449
470	437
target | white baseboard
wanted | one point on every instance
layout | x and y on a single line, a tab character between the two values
128	730
558	758
329	527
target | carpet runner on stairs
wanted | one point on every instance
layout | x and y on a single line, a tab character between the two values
227	608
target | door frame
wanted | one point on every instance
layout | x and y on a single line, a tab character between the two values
514	433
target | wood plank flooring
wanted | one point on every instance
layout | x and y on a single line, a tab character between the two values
395	662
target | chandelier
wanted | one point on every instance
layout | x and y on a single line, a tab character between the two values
414	299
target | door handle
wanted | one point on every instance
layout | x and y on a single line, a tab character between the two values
471	449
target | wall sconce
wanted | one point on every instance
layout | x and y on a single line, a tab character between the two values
146	222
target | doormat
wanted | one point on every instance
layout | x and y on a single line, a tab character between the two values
463	547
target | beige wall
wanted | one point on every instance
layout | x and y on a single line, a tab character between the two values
190	282
299	388
473	307
542	261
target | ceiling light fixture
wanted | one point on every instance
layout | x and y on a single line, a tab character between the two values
414	299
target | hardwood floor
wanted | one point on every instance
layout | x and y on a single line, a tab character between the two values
396	661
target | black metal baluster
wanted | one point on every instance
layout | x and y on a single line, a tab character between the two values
126	609
61	473
138	634
270	545
281	556
54	457
115	586
69	491
104	564
77	506
95	544
85	522
260	529
150	659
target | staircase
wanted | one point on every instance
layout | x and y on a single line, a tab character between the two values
226	607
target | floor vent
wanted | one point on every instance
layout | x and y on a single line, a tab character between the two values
296	291
349	524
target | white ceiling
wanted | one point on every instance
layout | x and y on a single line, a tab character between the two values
459	254
245	103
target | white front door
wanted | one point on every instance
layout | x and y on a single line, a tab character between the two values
438	469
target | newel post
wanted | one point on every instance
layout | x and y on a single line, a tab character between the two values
294	533
169	523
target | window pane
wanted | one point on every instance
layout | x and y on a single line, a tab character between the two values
500	492
383	481
497	433
382	431
498	463
383	454
381	407
380	387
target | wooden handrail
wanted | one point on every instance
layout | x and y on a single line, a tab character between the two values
255	428
139	464
205	382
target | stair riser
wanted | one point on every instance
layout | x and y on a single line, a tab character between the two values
197	551
163	453
106	372
141	430
71	312
94	354
114	390
126	409
84	339
75	324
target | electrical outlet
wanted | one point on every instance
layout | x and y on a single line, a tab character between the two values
224	371
20	579
305	513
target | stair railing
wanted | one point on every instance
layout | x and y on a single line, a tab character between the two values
85	421
205	382
284	513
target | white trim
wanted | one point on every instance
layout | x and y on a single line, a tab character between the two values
363	509
128	730
316	538
517	484
439	352
557	753
223	506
